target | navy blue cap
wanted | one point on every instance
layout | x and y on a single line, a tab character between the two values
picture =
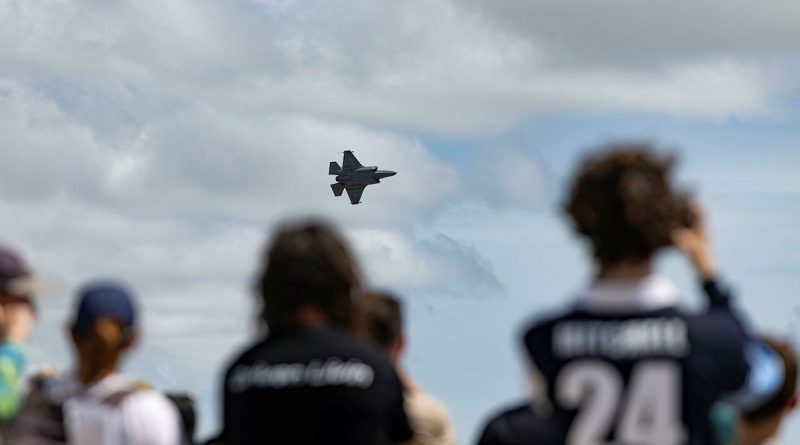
105	299
764	379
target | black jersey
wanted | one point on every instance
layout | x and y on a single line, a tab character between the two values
313	387
647	376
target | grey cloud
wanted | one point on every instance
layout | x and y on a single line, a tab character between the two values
426	66
433	265
204	163
648	35
508	178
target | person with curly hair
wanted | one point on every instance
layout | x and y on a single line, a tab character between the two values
309	381
624	363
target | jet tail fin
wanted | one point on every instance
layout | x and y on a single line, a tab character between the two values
334	169
337	188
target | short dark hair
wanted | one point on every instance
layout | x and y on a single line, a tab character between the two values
307	263
781	398
621	199
380	318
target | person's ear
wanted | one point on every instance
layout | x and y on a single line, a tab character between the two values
792	403
131	339
397	348
73	336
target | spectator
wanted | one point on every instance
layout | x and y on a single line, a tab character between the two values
624	364
380	321
310	381
754	421
98	405
17	316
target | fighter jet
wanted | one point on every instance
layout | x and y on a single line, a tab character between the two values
354	177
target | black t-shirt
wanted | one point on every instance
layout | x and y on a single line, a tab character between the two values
518	425
313	386
644	377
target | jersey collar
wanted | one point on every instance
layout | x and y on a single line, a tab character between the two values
644	294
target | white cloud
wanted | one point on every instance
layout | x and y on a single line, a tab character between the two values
426	66
505	177
437	265
201	162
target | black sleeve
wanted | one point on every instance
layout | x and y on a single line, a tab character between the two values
724	335
718	296
399	427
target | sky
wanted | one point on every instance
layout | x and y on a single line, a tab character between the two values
159	142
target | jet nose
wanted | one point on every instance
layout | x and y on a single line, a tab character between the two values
380	174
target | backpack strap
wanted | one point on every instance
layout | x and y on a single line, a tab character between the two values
41	419
115	399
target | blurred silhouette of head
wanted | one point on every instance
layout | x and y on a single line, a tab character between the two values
307	266
103	327
623	202
17	281
380	322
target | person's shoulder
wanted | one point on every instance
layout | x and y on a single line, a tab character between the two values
352	350
149	414
343	344
541	326
429	418
249	353
149	402
424	404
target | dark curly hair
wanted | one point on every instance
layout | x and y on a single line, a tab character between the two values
623	202
307	263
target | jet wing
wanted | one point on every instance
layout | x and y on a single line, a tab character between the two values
350	161
354	193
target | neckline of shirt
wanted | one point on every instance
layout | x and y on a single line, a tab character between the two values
651	292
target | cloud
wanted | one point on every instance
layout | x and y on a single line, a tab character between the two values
507	178
201	163
647	36
437	265
441	67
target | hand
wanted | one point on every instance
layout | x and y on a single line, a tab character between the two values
693	241
16	320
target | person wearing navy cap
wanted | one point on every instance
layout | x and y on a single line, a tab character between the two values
97	405
111	408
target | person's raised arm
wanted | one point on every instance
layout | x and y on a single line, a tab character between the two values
693	241
720	330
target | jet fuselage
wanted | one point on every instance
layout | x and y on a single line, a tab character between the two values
363	175
354	177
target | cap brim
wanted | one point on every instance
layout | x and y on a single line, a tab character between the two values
29	286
